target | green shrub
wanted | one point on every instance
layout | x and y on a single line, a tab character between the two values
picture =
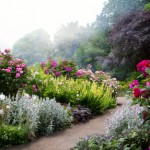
12	135
92	95
147	7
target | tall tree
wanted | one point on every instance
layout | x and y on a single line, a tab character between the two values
67	40
33	47
130	39
114	8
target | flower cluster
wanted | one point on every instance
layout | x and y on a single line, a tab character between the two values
141	91
67	68
100	77
12	73
143	66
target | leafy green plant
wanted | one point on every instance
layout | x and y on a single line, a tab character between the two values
147	7
12	135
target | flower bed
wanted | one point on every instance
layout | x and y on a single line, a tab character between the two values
37	116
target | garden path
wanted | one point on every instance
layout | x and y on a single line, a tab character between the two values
64	140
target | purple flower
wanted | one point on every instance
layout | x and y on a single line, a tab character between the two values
68	69
57	74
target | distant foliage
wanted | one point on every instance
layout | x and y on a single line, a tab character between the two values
34	47
130	39
68	39
116	8
93	51
147	7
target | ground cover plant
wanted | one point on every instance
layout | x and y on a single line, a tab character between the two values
27	118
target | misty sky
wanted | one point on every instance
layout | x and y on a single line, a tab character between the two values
18	17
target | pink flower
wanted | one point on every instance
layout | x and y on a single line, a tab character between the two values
18	69
131	86
79	73
137	92
10	62
134	83
147	83
57	74
8	70
7	50
17	75
23	65
34	87
17	66
21	72
54	63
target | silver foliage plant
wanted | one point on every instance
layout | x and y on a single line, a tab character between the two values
126	118
40	116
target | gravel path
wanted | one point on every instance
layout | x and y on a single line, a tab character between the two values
64	140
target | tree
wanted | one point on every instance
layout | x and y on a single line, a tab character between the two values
115	8
93	51
67	40
130	39
33	47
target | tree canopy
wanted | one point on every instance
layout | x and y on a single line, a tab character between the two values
68	38
130	40
33	47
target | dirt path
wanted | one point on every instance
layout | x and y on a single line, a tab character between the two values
66	139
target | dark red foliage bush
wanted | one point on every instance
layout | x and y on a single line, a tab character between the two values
130	39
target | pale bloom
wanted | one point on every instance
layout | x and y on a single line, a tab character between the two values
1	111
2	97
8	107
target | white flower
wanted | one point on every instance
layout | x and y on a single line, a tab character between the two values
1	112
8	107
2	97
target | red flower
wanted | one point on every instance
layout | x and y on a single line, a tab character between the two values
137	92
145	114
141	67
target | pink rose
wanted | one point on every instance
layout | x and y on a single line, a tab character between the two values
17	75
147	83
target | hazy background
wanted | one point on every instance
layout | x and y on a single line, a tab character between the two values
18	17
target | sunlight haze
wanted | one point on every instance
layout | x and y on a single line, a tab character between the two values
19	17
